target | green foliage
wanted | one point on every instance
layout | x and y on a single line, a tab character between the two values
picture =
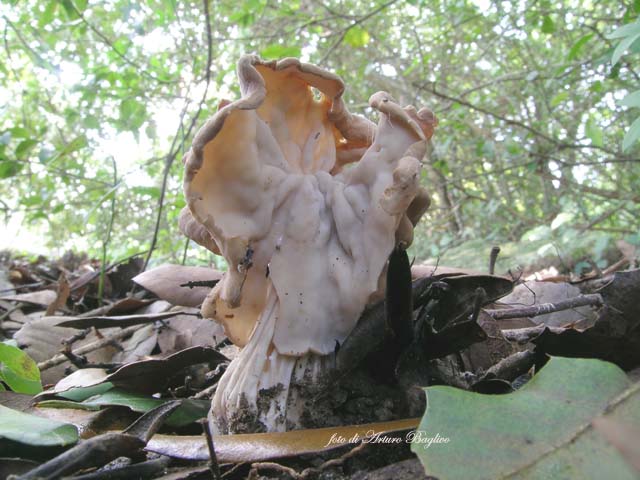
36	431
628	38
525	94
543	430
188	412
18	371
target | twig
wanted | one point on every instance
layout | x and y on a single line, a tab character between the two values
61	358
148	469
334	462
173	152
493	257
343	33
105	241
525	335
213	459
513	366
479	299
200	283
139	68
67	342
273	466
509	121
593	299
206	392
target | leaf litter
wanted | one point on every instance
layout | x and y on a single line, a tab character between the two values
137	350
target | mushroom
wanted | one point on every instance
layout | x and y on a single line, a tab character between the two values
305	201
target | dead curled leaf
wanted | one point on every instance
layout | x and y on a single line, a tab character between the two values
61	296
118	321
256	447
144	376
614	337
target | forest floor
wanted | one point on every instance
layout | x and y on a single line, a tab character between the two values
110	376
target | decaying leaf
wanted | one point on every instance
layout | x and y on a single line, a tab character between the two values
165	280
614	337
138	346
42	339
43	298
150	376
118	321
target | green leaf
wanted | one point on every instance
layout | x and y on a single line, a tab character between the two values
542	430
9	168
18	370
37	431
594	132
622	47
577	47
547	25
153	192
279	51
49	14
625	31
357	37
19	132
632	135
559	98
74	145
189	412
25	146
631	100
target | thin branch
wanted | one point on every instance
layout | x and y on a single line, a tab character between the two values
594	299
509	121
142	70
342	33
174	151
98	344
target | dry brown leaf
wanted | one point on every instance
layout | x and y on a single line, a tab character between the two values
185	331
61	296
256	447
165	281
42	340
43	298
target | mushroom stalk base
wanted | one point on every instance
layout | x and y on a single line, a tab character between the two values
262	390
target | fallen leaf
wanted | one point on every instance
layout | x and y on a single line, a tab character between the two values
165	280
82	378
256	447
189	411
41	339
138	346
542	430
33	430
118	321
18	370
62	295
151	376
42	298
625	437
615	336
185	331
15	466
